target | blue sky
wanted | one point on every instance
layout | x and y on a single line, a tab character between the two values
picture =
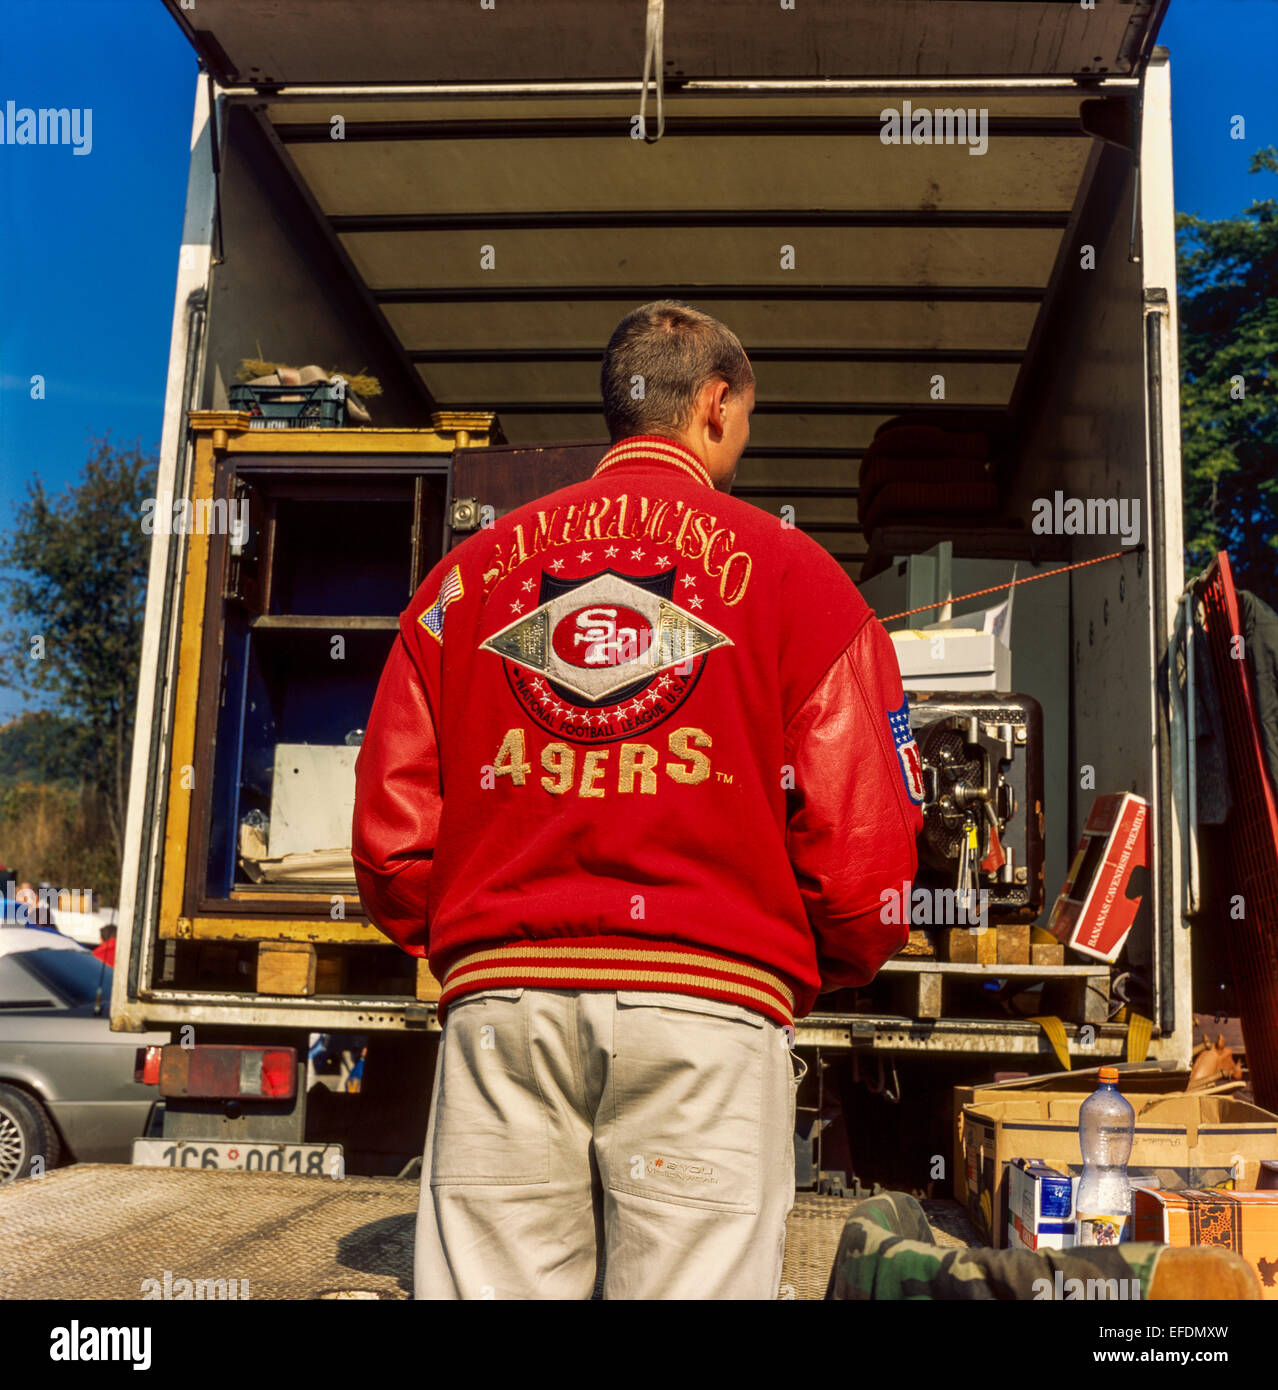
90	243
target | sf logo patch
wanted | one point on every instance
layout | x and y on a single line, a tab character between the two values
907	751
601	658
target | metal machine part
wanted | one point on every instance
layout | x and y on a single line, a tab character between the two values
982	758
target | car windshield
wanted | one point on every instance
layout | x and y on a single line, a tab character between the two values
74	975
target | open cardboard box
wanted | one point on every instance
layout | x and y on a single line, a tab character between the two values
1183	1140
1157	1077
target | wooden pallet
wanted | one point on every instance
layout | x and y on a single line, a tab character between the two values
1074	993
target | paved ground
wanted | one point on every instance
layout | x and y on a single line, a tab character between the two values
100	1230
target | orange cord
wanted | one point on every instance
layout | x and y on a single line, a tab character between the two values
1011	583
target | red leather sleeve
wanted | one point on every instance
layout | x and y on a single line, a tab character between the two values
852	822
398	802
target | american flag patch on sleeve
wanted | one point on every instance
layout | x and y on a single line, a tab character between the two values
907	751
433	617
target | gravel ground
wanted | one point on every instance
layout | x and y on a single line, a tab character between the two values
101	1230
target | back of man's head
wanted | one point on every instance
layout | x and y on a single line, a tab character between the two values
658	359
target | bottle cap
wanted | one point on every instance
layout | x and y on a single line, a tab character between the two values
1108	1074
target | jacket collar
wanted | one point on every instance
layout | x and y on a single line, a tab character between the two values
654	450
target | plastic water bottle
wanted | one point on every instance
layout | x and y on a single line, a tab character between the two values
1103	1206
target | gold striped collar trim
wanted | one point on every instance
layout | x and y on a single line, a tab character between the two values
634	956
655	451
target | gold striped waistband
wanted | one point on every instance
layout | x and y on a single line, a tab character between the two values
551	963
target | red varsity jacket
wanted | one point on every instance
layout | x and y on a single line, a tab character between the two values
640	735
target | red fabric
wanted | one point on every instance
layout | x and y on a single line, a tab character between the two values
730	833
1252	854
105	951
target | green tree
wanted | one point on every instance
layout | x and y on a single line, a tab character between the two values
41	747
1228	285
81	560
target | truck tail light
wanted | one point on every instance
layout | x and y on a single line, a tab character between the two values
146	1065
210	1071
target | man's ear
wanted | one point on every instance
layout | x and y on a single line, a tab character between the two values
718	395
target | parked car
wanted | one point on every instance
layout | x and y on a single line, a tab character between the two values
84	927
67	1091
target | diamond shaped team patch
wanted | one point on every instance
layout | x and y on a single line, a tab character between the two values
605	657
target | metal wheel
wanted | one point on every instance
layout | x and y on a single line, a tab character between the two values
28	1141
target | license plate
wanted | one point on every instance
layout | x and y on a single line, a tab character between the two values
309	1160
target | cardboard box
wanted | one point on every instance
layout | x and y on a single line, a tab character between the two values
932	659
1094	913
1244	1222
1040	1206
1155	1077
1185	1141
312	798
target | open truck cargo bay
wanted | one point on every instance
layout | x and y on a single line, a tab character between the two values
473	237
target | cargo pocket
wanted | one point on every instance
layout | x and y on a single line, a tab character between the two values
687	1092
491	1125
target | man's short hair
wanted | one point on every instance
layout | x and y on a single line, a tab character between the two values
658	359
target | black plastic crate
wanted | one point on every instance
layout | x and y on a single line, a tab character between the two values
319	405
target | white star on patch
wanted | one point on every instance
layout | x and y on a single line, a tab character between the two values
637	706
687	581
664	561
610	552
556	564
694	602
527	586
584	556
636	554
517	607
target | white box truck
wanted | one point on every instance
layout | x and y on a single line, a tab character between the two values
956	212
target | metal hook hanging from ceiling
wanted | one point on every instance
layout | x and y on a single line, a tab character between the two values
653	68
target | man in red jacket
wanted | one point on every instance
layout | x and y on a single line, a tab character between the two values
638	782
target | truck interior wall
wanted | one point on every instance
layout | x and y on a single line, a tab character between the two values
1082	432
284	293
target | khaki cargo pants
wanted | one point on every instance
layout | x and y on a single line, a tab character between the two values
648	1135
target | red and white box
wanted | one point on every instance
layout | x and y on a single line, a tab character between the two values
1094	914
